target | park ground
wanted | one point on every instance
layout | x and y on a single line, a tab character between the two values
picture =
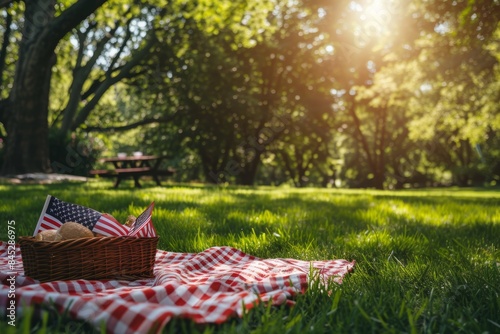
427	261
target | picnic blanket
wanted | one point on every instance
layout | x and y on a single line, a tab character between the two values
207	287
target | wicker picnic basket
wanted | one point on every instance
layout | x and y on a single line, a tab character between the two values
126	258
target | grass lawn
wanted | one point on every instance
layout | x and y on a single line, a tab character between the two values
427	261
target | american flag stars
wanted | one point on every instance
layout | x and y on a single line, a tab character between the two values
71	212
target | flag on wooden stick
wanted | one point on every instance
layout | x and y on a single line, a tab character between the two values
143	226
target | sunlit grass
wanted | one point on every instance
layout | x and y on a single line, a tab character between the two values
427	260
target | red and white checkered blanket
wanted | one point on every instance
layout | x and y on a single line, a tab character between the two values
207	287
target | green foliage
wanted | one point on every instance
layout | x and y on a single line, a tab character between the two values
427	261
352	93
230	105
423	103
10	43
76	154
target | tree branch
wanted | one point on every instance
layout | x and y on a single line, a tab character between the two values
146	121
311	158
93	88
360	135
81	73
82	36
288	165
128	35
72	17
5	3
108	82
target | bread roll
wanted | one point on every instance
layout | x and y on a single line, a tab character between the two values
48	235
130	221
72	230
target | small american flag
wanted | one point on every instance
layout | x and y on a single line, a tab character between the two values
56	212
143	226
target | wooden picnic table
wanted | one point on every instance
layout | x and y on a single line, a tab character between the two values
135	167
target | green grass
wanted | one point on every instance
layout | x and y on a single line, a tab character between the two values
427	261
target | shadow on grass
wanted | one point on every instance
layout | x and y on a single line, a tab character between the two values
324	218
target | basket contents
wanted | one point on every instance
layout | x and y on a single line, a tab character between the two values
130	221
69	230
48	235
55	213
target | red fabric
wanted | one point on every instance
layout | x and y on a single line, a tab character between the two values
207	287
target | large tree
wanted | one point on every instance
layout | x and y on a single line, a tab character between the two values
429	110
245	100
26	116
457	117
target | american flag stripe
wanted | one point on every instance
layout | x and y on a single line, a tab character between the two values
149	231
49	223
143	226
39	227
110	227
144	231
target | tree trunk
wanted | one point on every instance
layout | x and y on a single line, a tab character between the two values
378	180
288	166
247	174
27	147
27	143
380	152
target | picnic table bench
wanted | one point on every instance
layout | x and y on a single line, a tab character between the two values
135	167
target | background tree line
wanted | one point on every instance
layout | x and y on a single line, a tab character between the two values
366	93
